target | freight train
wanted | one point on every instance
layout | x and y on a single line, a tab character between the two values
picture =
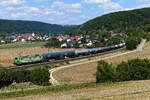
62	55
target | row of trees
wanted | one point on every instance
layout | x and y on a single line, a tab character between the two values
39	76
136	69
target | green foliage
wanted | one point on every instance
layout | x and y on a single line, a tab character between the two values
21	76
40	76
5	77
139	69
136	69
105	72
147	36
122	21
123	71
134	23
114	40
53	43
132	42
76	45
16	26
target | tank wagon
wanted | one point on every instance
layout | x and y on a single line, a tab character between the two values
62	55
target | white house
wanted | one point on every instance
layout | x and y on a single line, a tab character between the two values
89	43
64	45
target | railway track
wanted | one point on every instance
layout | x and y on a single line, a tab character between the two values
59	61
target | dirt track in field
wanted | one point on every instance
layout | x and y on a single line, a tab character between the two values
86	72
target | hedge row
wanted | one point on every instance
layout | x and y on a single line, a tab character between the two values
136	69
39	76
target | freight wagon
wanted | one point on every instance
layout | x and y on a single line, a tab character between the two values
62	55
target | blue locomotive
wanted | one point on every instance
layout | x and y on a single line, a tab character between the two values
63	55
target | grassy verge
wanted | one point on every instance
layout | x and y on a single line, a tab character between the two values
50	90
22	45
19	86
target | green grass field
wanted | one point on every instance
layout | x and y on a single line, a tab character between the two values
22	45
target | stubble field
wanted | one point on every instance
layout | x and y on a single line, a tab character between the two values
86	72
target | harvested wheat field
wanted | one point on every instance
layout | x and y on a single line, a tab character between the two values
7	56
134	96
111	90
86	72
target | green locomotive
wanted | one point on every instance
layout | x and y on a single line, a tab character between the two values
28	59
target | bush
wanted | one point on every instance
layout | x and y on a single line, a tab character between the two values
105	72
136	69
139	69
123	71
132	42
40	76
53	43
114	40
21	76
5	77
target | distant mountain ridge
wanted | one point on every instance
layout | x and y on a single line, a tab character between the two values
20	26
120	21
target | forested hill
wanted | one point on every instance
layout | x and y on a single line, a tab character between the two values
120	21
18	26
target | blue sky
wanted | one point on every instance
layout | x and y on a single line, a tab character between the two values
65	12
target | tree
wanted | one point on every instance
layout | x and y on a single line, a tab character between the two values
105	72
53	43
136	69
114	40
21	76
139	69
123	71
40	76
132	42
5	77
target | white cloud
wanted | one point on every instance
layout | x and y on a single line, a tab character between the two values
18	14
29	9
48	11
106	5
29	12
95	1
110	6
41	0
24	9
12	2
64	6
76	5
84	16
137	7
74	8
143	0
143	6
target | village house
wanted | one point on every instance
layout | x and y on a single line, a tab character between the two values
112	33
76	38
61	38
